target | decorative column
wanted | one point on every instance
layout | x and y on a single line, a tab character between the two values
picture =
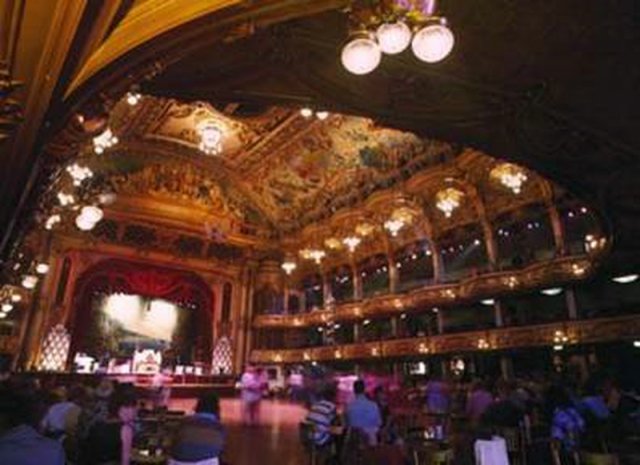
245	318
285	300
438	263
393	274
487	230
327	295
357	282
572	304
440	321
394	327
498	310
558	230
357	331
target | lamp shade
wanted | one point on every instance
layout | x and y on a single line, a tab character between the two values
361	55
92	213
393	38
432	43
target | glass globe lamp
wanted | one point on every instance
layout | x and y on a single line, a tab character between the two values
92	214
432	43
84	224
361	55
393	38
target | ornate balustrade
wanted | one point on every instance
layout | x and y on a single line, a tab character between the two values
563	333
551	272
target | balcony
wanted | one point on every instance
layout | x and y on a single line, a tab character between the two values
551	272
566	333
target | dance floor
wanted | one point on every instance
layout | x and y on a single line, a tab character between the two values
274	441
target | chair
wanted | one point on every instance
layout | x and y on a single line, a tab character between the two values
430	454
590	458
306	431
515	441
383	455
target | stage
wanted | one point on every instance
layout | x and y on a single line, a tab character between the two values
182	386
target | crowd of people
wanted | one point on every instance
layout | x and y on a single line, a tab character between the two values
94	425
595	416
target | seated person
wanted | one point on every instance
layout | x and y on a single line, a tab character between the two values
62	417
364	414
200	437
322	415
20	443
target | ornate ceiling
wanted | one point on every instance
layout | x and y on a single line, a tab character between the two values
282	175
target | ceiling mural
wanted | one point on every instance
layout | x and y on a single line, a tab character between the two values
292	169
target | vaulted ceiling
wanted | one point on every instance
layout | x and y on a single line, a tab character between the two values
550	85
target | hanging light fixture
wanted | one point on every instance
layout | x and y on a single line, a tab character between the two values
510	176
361	54
364	229
7	307
387	28
210	137
133	98
92	213
449	199
104	141
289	266
433	42
333	243
52	221
351	242
393	37
394	226
79	173
317	255
29	281
42	268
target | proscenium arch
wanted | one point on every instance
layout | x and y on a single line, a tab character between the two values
128	276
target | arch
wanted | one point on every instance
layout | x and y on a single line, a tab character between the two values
148	280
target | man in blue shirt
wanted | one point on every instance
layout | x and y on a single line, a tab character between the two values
364	414
20	443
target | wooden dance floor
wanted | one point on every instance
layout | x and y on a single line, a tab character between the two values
273	442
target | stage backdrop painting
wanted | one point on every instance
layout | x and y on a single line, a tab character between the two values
123	306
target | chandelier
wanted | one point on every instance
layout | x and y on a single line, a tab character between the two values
509	175
288	266
364	229
104	141
387	28
210	137
313	254
333	243
89	216
351	242
447	200
399	219
79	173
394	226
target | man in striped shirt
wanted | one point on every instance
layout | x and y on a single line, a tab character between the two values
322	415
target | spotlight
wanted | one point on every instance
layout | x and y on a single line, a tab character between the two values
625	279
551	291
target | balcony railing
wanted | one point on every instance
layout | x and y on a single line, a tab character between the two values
551	272
563	334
